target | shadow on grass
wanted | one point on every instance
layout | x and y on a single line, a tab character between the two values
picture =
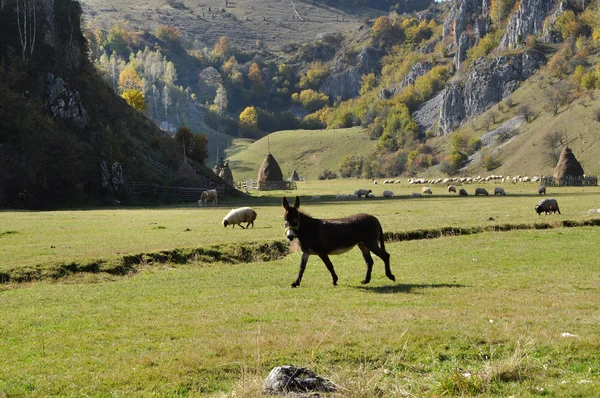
406	288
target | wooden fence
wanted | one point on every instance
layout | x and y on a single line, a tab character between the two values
266	185
158	191
165	171
569	181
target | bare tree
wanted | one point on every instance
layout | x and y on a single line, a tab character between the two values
155	94
26	10
167	100
494	116
221	99
552	143
527	113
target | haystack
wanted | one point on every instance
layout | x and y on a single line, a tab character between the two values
295	176
269	170
567	166
186	177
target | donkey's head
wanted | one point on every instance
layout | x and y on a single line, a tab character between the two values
291	218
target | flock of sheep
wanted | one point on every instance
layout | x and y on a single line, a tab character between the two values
248	215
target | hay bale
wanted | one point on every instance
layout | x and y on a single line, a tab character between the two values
186	177
567	167
295	176
269	170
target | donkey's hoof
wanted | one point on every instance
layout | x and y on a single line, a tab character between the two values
365	281
295	284
392	277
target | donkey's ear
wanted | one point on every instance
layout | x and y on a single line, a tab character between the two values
285	203
297	202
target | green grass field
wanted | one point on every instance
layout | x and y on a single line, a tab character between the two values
473	315
313	151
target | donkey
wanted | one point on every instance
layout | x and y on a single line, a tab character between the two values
335	236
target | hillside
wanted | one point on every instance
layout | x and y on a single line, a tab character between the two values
527	149
65	137
274	23
309	152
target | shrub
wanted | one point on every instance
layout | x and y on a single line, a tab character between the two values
490	163
327	175
311	100
351	166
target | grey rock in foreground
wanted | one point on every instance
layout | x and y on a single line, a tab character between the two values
286	379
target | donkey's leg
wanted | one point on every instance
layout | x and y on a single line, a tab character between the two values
382	254
368	260
329	266
303	262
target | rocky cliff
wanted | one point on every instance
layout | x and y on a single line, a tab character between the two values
528	20
467	22
486	83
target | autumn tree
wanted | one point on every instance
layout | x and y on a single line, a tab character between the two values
135	99
249	120
257	83
194	145
129	79
221	49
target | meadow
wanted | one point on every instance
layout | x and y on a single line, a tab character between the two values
485	314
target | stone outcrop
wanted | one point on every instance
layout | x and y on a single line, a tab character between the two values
551	34
291	379
465	14
528	20
112	179
486	83
65	102
344	83
418	69
427	114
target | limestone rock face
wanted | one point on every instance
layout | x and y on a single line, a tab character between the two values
418	69
343	85
345	81
65	102
528	20
113	181
467	22
486	83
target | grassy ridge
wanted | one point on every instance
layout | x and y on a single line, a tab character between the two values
491	304
307	151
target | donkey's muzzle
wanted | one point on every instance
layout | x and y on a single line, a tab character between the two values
290	234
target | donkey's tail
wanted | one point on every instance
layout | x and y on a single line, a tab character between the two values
381	238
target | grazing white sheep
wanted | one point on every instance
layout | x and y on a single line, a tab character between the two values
388	194
210	194
451	188
462	192
499	191
426	190
370	195
362	192
481	192
314	197
240	215
341	196
548	205
415	195
352	196
541	190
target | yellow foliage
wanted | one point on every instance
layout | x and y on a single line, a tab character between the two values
135	99
249	118
129	79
